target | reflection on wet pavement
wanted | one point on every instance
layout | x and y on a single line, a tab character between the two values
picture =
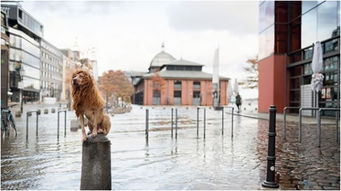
217	162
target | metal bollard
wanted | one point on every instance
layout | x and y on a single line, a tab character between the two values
58	125
197	122
270	181
37	114
204	123
172	122
337	126
147	125
65	124
222	121
232	123
96	164
176	123
27	114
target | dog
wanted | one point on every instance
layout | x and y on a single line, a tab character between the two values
88	102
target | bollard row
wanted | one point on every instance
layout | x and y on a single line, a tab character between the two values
174	122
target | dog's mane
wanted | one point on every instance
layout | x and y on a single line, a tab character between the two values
86	96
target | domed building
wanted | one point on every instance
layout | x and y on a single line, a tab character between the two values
172	81
159	60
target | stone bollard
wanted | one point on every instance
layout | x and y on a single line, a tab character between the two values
46	111
96	164
53	110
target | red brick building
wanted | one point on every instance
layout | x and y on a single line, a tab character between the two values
176	82
287	31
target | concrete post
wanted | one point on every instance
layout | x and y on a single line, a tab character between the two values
96	164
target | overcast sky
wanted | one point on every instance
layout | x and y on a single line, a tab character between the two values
127	35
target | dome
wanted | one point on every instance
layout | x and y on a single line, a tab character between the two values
161	59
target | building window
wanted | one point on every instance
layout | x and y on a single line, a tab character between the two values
177	97
20	13
196	85
196	97
156	97
177	84
320	23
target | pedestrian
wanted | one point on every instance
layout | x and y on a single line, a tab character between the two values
238	101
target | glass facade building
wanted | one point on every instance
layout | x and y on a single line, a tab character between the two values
24	53
4	60
288	30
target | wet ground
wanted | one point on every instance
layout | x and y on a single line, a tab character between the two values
188	162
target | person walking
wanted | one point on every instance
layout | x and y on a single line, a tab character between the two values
238	101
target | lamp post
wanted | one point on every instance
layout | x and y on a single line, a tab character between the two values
21	86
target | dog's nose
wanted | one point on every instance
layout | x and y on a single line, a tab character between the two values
74	81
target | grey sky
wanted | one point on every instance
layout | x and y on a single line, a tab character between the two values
127	35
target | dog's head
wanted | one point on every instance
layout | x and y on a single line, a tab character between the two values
81	78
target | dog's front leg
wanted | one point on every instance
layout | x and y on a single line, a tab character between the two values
81	118
94	130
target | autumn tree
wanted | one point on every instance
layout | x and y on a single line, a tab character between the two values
252	70
159	84
114	84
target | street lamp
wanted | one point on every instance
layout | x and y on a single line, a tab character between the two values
21	86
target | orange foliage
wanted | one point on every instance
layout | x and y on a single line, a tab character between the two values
116	84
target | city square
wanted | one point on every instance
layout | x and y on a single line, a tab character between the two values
109	95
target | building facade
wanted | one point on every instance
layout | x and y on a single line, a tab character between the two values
51	70
176	82
24	53
71	61
4	60
288	30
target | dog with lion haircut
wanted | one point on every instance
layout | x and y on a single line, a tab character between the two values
88	102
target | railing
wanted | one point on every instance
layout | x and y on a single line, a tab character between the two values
319	123
285	120
28	114
65	111
300	119
174	122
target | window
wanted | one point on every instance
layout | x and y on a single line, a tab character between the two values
177	84
156	97
266	42
196	85
20	13
196	97
327	21
177	97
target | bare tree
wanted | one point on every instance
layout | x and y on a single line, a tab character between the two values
252	70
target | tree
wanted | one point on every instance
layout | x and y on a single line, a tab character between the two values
159	84
114	84
252	69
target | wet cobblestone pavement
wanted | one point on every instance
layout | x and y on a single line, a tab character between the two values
217	162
